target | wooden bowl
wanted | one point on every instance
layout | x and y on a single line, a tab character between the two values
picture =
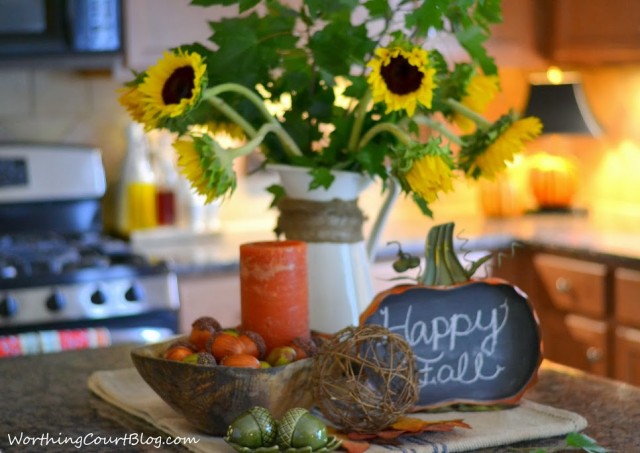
211	397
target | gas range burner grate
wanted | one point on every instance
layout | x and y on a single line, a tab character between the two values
28	255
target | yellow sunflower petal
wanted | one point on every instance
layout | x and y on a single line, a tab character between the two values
189	165
479	93
428	176
507	145
132	100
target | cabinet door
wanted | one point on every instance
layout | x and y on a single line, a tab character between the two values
626	292
627	350
216	295
153	26
592	31
578	342
572	285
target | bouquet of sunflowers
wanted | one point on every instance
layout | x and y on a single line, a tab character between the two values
354	81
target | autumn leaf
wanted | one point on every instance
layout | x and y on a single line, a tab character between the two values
416	425
408	426
350	445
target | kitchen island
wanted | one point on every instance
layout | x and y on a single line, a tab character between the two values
47	397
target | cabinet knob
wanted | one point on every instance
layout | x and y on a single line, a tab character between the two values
594	354
563	285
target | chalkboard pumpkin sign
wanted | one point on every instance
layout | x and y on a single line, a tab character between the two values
475	341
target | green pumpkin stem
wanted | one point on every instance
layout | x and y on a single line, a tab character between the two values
443	268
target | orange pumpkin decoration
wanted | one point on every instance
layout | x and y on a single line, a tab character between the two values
447	301
554	181
500	197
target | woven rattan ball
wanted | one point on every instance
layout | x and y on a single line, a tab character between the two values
364	378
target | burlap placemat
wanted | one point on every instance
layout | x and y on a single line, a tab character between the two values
528	421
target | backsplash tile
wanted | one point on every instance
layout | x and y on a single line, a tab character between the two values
59	92
16	93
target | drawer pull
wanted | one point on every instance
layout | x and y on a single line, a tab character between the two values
563	285
594	354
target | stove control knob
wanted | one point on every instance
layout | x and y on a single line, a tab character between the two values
135	293
56	301
98	297
8	306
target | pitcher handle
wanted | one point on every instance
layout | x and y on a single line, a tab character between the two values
393	190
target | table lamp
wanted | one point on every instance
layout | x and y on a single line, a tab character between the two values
557	98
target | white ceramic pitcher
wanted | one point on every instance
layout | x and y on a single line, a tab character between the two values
340	281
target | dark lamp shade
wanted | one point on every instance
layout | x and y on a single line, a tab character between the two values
562	108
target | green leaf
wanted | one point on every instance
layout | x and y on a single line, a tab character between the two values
428	15
340	34
330	9
247	4
423	205
372	157
472	39
584	442
489	12
322	177
378	8
278	194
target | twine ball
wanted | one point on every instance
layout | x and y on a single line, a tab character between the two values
364	378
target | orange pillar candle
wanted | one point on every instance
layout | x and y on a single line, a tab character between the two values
274	290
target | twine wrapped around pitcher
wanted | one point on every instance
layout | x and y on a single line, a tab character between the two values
320	221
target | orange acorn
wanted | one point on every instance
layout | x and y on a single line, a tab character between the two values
253	343
202	329
304	347
222	344
241	361
179	350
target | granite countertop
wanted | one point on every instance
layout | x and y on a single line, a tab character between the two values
591	235
49	394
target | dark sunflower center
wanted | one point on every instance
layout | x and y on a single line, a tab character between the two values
400	76
178	86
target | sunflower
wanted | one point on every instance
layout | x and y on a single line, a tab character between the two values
424	169
401	78
489	151
430	175
173	86
207	166
132	100
480	90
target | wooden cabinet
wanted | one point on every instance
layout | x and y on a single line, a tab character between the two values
589	309
626	293
591	32
627	350
573	285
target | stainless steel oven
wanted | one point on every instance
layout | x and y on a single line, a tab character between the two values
64	284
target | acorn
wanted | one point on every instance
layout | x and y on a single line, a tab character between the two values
298	428
304	347
201	358
202	329
222	344
253	343
254	428
281	355
241	361
178	350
